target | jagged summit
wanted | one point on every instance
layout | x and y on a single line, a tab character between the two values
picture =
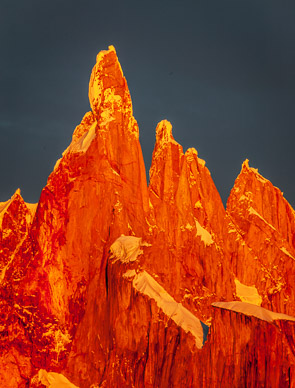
109	96
16	198
164	132
5	205
106	74
246	168
110	282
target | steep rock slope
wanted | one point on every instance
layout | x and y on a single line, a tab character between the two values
261	230
15	221
189	220
15	252
110	282
97	191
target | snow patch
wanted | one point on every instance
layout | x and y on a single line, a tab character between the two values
53	380
204	234
198	205
82	144
32	207
253	311
188	226
147	285
129	274
127	248
57	164
248	294
287	253
253	211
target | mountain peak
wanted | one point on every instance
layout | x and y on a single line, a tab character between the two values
4	205
109	95
106	73
164	131
246	168
79	302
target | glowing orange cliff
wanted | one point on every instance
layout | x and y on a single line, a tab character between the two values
110	282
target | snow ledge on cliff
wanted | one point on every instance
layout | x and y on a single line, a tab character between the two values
147	285
252	310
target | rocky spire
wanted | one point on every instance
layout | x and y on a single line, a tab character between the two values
113	283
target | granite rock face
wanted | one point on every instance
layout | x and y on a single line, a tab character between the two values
260	237
110	282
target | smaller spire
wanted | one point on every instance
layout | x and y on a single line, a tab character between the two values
245	164
164	131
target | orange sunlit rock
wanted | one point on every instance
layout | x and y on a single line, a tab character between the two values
110	282
261	230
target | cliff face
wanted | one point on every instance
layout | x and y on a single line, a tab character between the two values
110	282
250	347
189	217
261	234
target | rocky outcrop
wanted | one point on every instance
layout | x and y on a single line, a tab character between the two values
15	251
15	221
261	230
188	232
110	282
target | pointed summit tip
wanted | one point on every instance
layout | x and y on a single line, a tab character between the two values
106	74
246	168
112	48
191	152
4	205
17	192
164	131
103	53
245	164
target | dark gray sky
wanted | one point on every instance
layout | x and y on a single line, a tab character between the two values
223	72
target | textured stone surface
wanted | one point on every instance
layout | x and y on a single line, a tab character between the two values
261	230
109	282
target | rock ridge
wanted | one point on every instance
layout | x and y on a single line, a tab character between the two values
111	282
